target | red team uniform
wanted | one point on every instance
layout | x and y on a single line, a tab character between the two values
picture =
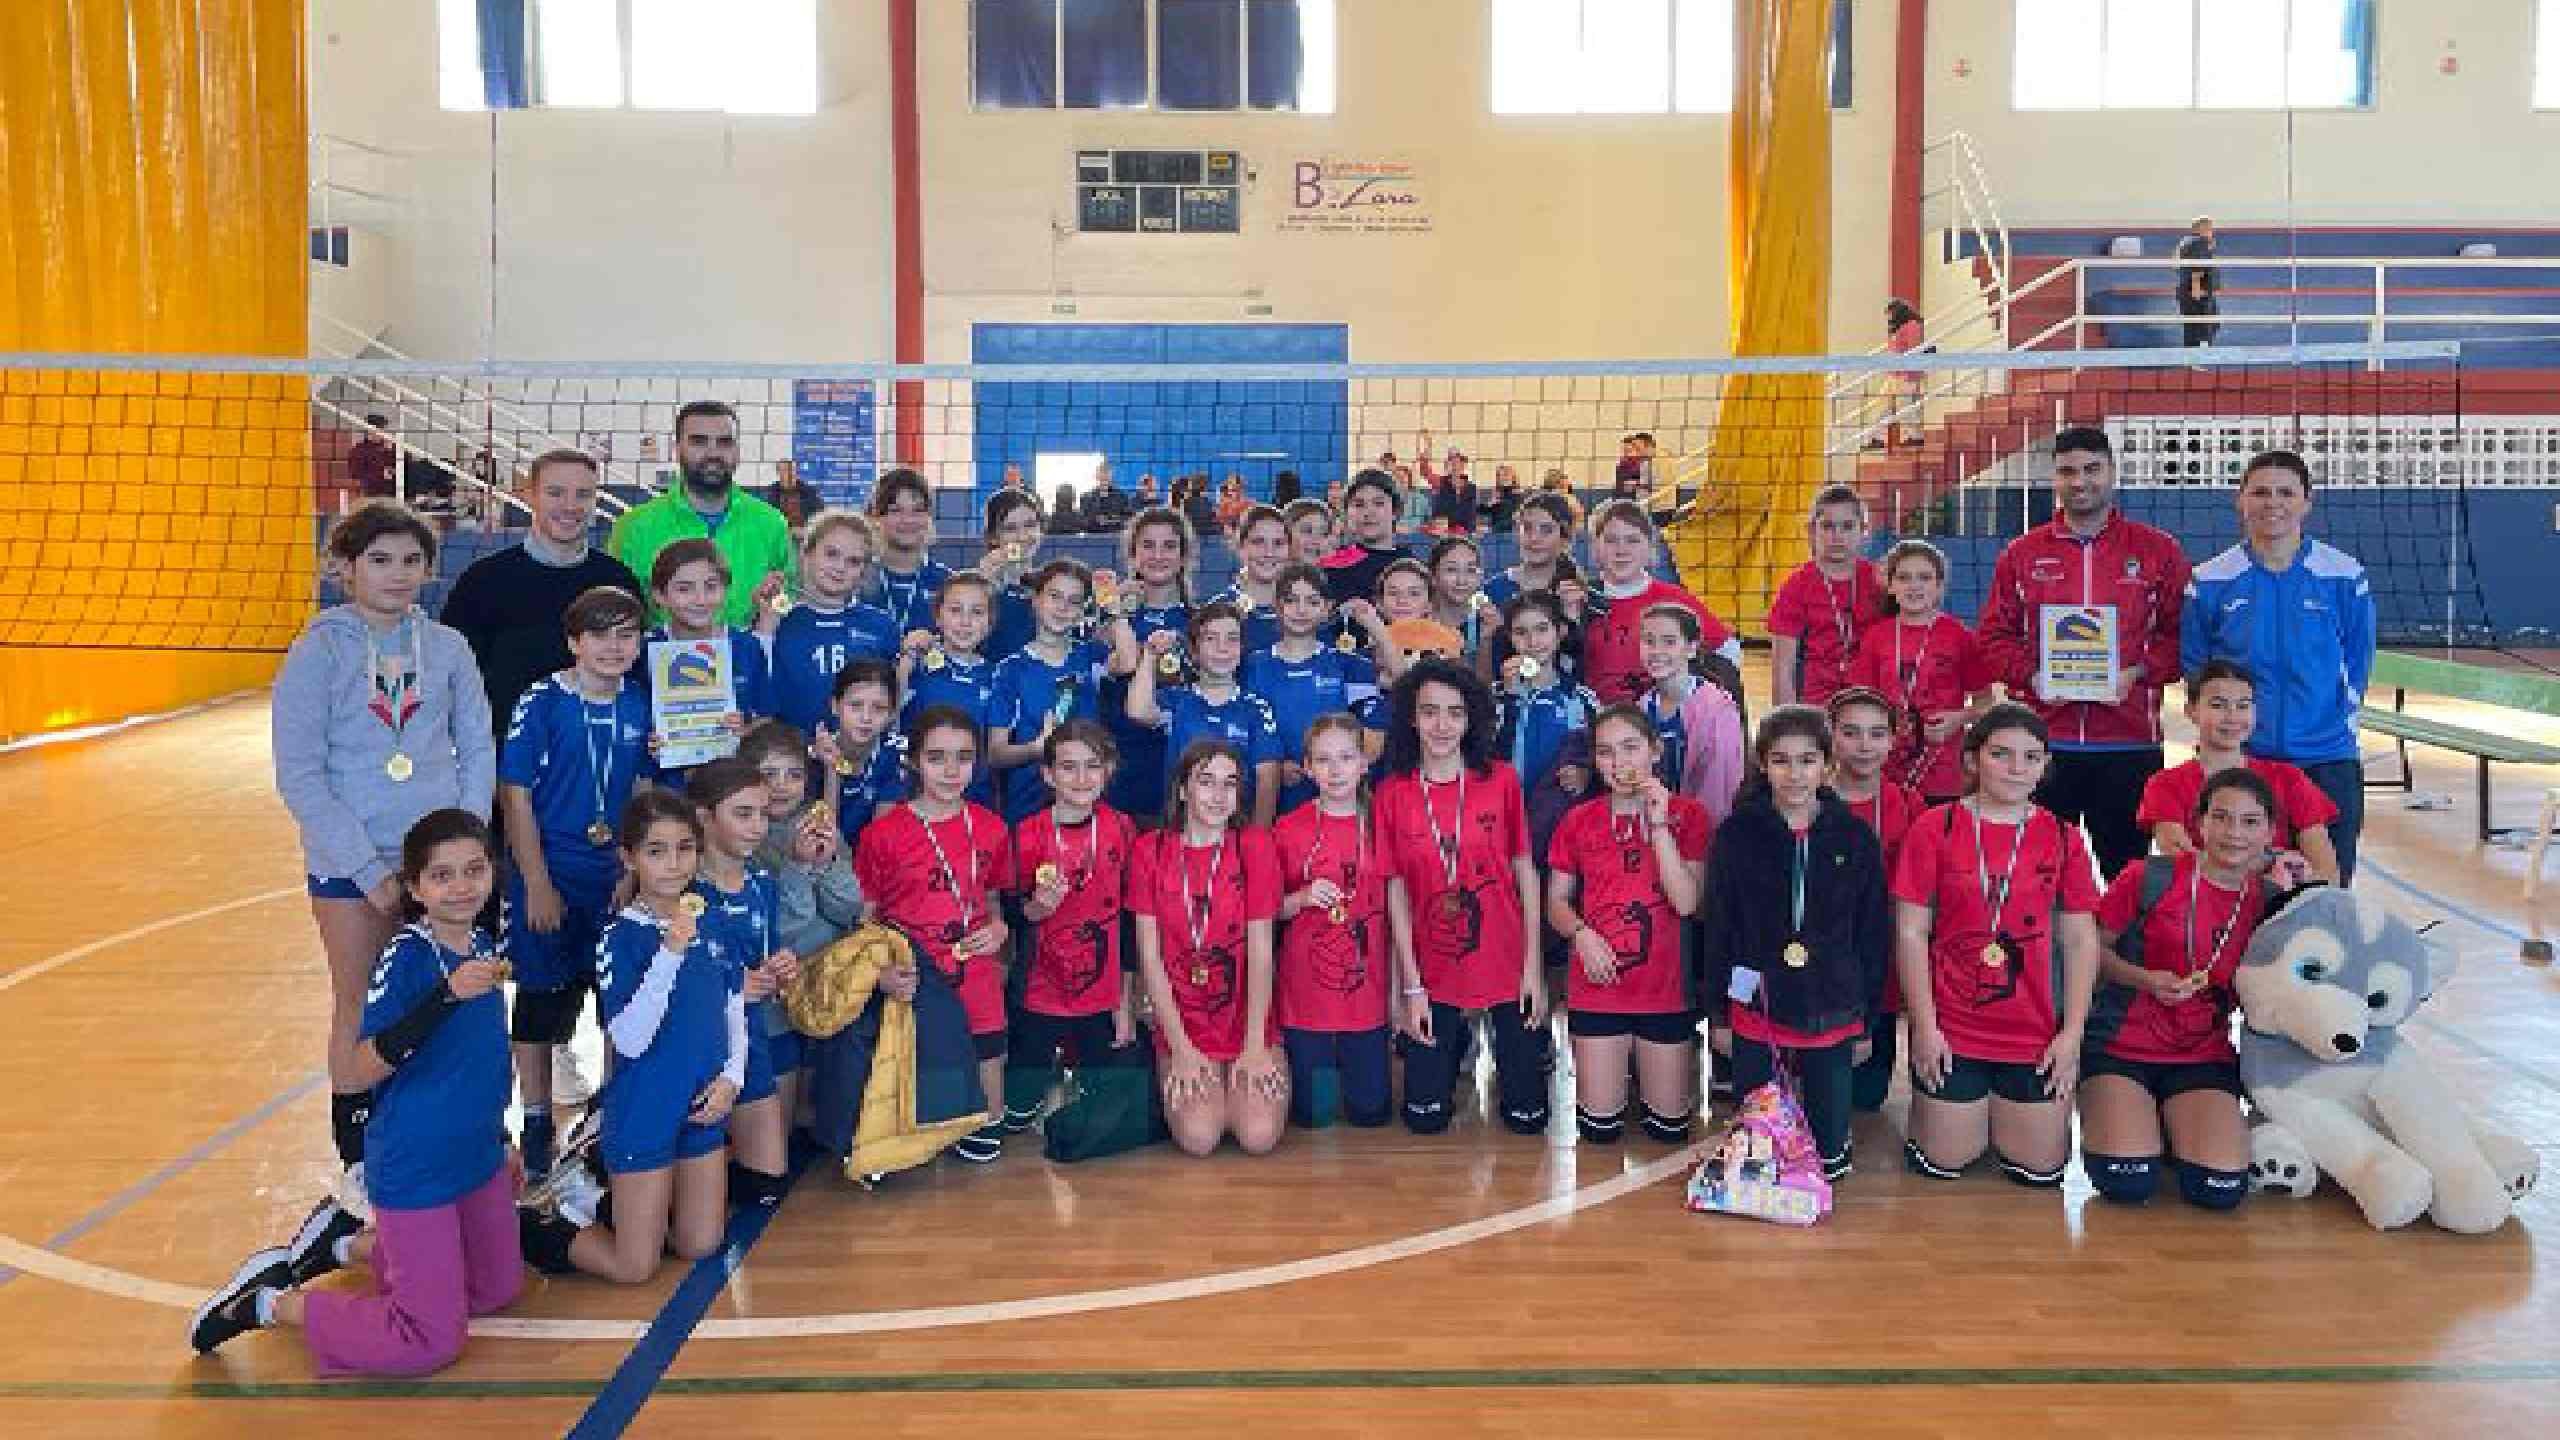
1621	897
1467	935
1612	641
2004	1012
1889	813
1826	617
2172	795
1333	976
1201	900
2196	926
900	866
1922	669
1075	954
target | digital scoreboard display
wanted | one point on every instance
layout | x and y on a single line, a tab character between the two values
1159	192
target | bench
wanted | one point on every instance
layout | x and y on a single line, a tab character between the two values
2531	692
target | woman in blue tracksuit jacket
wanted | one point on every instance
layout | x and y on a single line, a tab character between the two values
2299	615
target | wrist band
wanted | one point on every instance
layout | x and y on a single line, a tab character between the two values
406	1036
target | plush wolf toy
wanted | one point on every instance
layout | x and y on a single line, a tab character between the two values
2323	988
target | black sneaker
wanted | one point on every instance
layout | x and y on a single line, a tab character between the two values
535	1142
1018	1122
313	1250
232	1311
1836	1168
982	1146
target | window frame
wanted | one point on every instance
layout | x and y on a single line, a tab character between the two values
2545	17
1151	20
2371	64
1843	48
625	23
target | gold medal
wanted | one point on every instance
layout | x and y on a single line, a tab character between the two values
1169	665
1479	601
1127	602
506	972
1338	913
1796	956
845	766
1199	975
692	905
1528	668
600	833
935	659
1993	957
1244	603
783	602
818	814
1016	553
1048	874
399	767
1344	643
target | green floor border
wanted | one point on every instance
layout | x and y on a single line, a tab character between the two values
963	1382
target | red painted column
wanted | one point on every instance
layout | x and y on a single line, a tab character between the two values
1910	138
907	165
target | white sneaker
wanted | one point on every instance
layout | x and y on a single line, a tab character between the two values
570	1085
351	1193
577	1196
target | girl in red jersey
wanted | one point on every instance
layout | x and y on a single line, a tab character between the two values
1204	893
1798	932
1462	899
1333	970
2161	1059
1862	731
1626	871
2222	702
1623	544
1830	601
933	866
1986	887
1070	860
1929	665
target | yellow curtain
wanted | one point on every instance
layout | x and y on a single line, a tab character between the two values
1765	459
155	526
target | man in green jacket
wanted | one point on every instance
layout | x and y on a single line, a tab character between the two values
708	503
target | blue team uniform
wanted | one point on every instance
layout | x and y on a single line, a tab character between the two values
811	645
1674	733
580	759
1029	693
1533	726
968	685
748	924
1137	787
908	599
1015	626
877	782
1244	721
438	1130
1261	622
648	1096
1300	690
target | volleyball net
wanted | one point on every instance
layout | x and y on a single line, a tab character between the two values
166	502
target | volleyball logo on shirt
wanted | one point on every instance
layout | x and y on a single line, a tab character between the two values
1634	919
2188	1024
1076	953
1215	966
1340	955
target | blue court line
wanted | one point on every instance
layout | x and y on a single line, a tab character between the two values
637	1377
2494	927
2384	873
124	1199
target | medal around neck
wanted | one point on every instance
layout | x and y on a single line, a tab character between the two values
600	833
1169	665
1048	874
399	767
692	905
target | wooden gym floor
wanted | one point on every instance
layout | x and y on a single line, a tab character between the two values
162	994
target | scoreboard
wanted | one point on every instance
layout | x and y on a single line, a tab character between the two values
1159	192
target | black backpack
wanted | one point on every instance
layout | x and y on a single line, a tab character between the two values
2109	1006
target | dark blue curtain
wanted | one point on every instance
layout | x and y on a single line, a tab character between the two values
1844	90
1106	54
1272	61
2359	38
1199	54
1014	56
504	81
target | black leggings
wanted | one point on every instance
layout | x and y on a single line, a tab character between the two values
1521	1062
1822	1082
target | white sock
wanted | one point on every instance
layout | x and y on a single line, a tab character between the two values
343	1249
267	1304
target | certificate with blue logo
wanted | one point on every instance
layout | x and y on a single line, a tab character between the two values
693	687
2076	653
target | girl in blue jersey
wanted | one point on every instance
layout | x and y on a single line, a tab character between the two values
690	580
1158	550
745	917
1014	532
861	761
1314	531
673	1000
1459	600
1055	678
1539	705
828	626
1214	706
948	665
1262	551
1301	677
433	1044
906	577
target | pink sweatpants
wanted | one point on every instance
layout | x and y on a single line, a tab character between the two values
434	1269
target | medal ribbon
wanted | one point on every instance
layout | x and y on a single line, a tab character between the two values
600	770
1795	900
2221	935
396	707
1195	913
950	877
1447	844
1997	900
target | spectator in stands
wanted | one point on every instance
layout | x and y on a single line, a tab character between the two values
707	504
1065	517
1191	497
1146	496
1334	494
1284	488
373	460
1506	500
1903	335
1454	501
2300	615
1232	503
1106	506
1413	503
2199	284
2094	562
796	501
1013	479
508	604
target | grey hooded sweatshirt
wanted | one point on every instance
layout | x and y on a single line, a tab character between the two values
330	746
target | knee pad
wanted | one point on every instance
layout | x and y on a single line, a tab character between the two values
348	1115
546	1017
1665	1129
545	1240
2124	1179
1606	1129
2209	1189
751	1189
2031	1178
1917	1161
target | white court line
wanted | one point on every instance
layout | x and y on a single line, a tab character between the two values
16	978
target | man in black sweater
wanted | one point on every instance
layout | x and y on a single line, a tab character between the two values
509	604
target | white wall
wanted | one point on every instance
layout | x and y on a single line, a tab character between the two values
2436	148
622	235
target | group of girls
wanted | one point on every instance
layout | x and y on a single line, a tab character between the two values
1266	844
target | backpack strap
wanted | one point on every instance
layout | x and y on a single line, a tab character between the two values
2108	1007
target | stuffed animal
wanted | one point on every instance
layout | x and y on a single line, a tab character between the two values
2323	988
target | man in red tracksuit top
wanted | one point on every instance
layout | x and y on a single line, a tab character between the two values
2091	557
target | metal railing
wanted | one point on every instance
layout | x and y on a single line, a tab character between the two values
2371	273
